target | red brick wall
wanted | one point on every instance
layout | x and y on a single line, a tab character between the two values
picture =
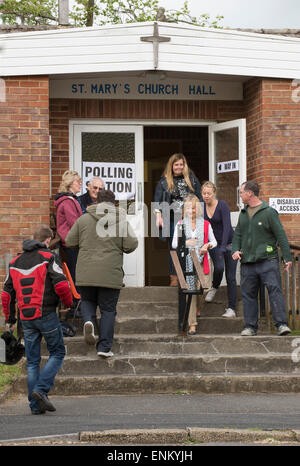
253	107
24	157
273	149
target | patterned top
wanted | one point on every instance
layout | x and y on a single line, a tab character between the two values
179	192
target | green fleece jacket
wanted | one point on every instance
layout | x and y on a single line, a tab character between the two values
102	234
258	238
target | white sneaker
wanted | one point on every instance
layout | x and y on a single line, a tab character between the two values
283	330
109	354
229	313
210	295
89	333
248	332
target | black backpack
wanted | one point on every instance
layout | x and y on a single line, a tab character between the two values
14	349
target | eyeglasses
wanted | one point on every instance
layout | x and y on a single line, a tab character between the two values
97	188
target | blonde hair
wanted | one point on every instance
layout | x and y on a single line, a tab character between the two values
67	179
209	184
195	201
168	172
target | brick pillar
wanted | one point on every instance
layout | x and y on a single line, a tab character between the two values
24	157
273	150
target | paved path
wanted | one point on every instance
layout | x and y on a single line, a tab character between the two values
96	413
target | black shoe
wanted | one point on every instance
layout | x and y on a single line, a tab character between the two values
38	411
43	401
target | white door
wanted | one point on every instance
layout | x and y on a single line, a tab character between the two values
227	162
115	154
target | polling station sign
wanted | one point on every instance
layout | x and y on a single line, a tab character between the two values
118	177
283	205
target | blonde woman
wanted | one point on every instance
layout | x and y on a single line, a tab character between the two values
217	212
176	183
68	210
193	232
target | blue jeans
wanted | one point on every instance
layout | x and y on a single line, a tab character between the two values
107	300
42	380
224	260
252	276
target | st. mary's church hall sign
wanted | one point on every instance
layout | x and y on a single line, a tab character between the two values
144	88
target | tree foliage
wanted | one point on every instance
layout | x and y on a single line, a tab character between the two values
98	12
29	12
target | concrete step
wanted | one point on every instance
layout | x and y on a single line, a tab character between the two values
135	364
217	308
223	383
169	324
180	345
152	294
146	308
151	357
165	294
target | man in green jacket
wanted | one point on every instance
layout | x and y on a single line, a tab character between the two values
102	235
255	241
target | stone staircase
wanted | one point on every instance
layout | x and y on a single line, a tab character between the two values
150	356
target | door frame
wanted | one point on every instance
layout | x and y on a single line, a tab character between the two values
240	124
214	128
133	264
212	125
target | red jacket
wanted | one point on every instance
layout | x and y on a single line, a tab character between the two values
35	282
68	210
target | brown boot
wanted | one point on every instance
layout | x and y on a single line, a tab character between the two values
173	280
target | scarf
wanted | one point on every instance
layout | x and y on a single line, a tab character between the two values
202	238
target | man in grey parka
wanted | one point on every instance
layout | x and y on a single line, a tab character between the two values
102	235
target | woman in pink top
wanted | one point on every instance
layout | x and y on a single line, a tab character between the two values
68	210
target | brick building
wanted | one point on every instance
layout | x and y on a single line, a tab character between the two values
131	95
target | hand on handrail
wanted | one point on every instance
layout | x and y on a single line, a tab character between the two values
288	265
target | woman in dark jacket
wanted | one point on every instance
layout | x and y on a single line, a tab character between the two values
217	212
176	183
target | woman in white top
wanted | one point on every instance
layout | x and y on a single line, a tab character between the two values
197	234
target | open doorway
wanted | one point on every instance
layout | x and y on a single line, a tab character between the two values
160	142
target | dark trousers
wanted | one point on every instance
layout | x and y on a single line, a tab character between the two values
223	261
107	300
69	255
254	275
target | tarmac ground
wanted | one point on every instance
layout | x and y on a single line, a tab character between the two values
178	419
